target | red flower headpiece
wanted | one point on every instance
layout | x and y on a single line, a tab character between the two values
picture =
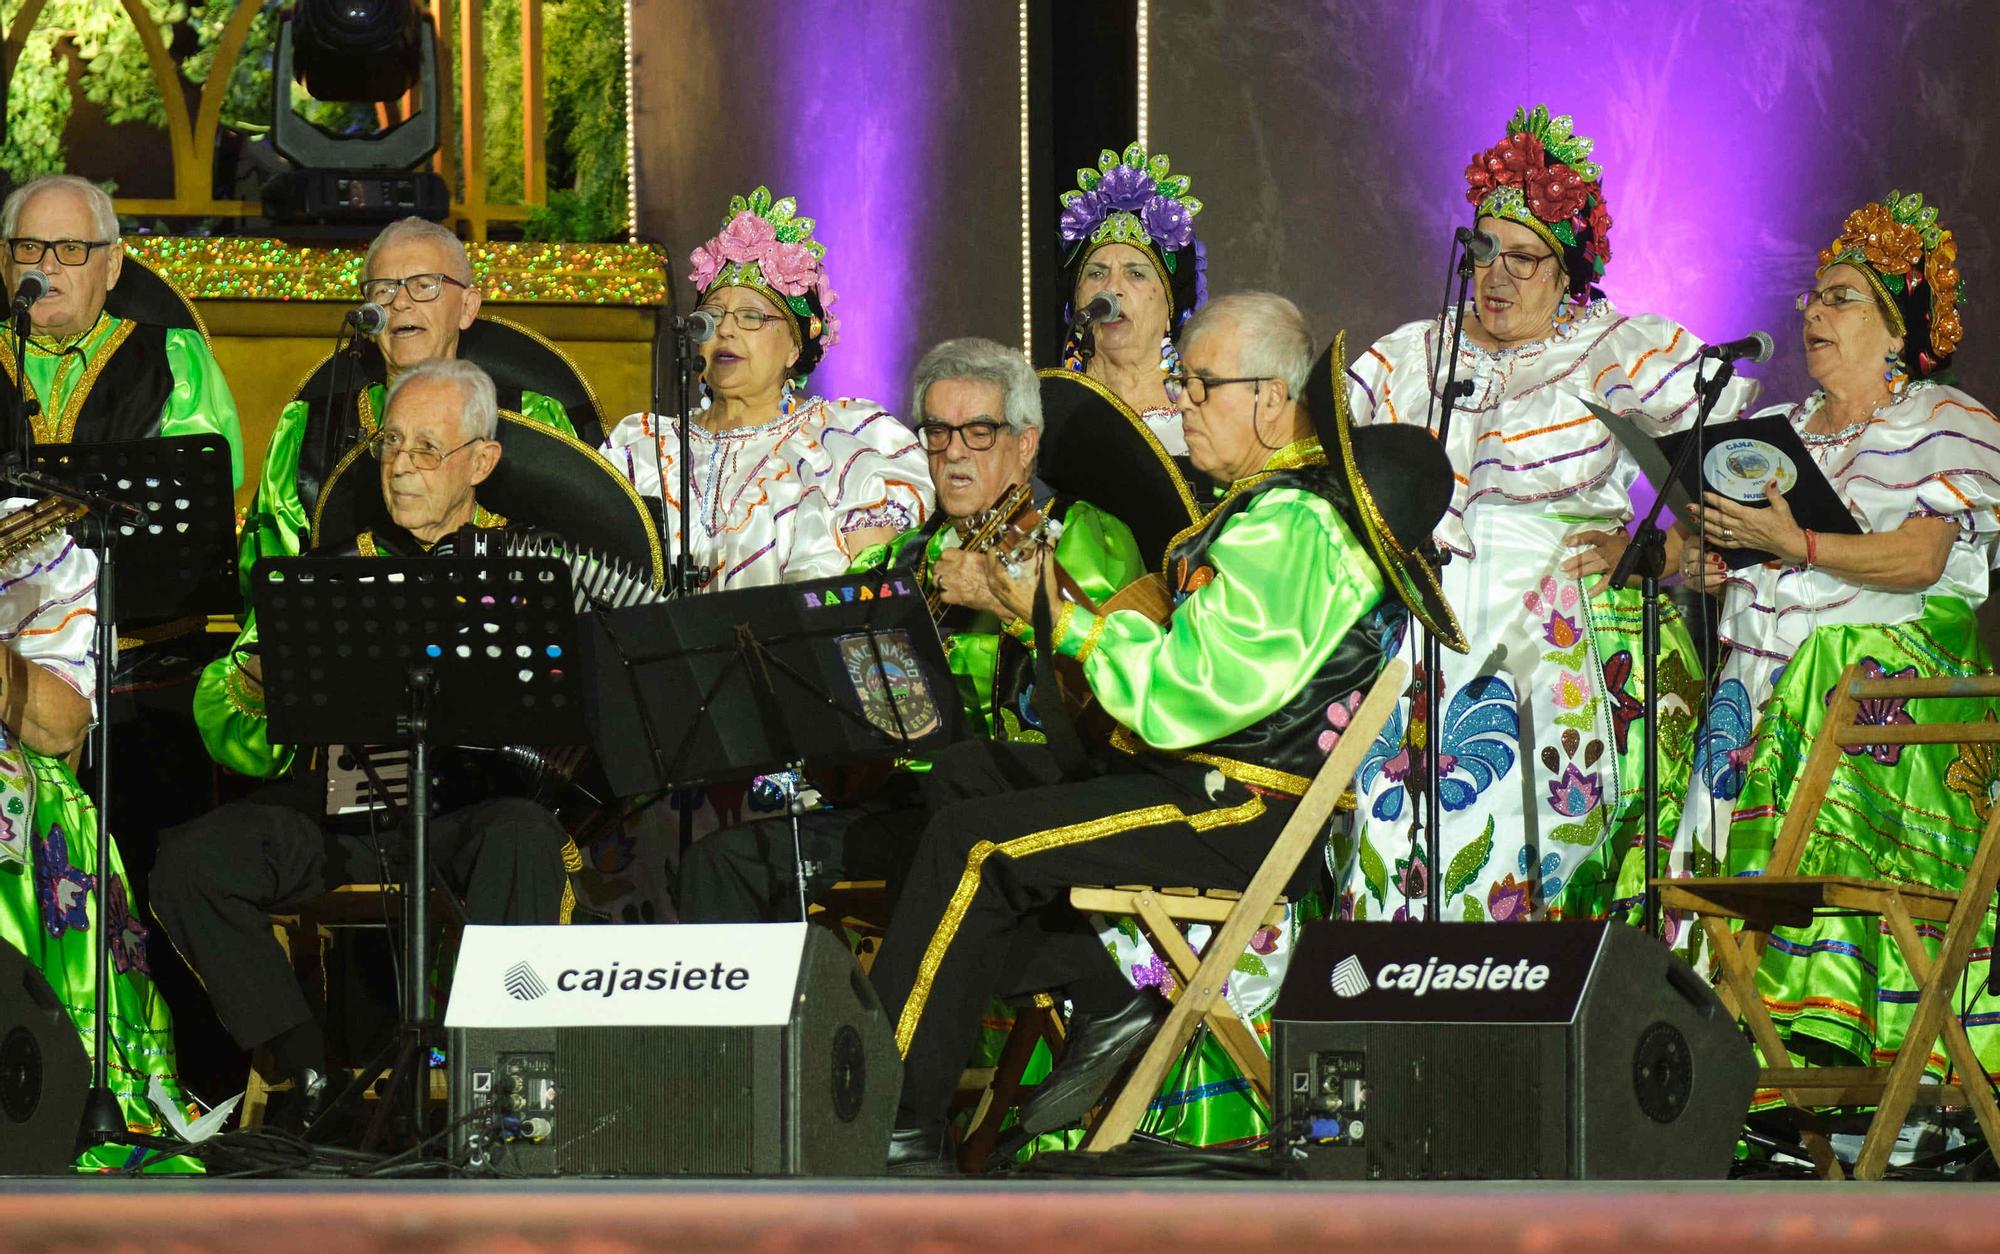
1541	176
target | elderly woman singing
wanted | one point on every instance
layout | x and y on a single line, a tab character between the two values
1917	462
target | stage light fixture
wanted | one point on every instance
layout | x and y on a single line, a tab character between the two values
364	52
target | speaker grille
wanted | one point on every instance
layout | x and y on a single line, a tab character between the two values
20	1075
1448	1102
645	1101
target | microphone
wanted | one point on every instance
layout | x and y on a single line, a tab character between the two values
1755	346
700	326
368	319
1482	246
34	286
1103	307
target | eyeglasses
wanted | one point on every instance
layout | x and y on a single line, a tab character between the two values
387	445
1832	297
421	287
1520	265
748	319
1193	388
978	436
71	252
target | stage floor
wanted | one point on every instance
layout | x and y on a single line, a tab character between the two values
821	1216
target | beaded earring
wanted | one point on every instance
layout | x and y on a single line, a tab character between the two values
1072	354
788	397
1895	375
1170	356
1565	314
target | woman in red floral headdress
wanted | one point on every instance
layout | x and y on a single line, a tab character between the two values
1543	729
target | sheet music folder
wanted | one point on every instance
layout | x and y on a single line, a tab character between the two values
1736	461
717	687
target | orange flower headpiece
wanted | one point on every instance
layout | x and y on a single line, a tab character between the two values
1912	263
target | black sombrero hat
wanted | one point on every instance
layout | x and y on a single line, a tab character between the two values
546	480
1400	481
1096	448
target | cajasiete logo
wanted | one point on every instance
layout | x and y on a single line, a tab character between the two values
522	984
1350	978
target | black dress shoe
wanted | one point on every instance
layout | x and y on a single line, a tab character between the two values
1099	1048
924	1151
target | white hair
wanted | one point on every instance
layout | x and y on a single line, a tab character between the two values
479	407
103	216
984	361
1273	340
412	229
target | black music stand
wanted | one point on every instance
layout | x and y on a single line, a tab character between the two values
713	688
461	651
163	522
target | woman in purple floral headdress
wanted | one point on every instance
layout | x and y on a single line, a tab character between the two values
1128	230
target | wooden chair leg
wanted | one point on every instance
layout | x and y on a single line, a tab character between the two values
1237	1040
1033	1024
1821	762
1738	970
1958	1046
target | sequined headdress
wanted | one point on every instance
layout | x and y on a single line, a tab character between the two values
767	247
1132	198
1542	177
1912	263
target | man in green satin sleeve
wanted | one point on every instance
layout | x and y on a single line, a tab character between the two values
98	377
417	271
1290	595
981	424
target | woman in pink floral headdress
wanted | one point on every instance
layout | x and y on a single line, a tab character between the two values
1542	724
785	485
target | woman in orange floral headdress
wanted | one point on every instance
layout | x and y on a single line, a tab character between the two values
1918	464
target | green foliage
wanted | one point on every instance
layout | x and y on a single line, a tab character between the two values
99	36
584	67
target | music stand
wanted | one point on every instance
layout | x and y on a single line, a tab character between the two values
462	651
712	688
168	503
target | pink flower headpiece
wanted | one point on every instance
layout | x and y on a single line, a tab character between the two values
766	246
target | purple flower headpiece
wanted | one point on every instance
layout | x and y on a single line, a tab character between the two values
1130	199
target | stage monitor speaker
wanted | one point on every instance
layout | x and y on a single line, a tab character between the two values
814	1096
1582	1051
44	1072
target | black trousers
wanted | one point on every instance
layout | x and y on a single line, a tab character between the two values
747	874
985	909
220	877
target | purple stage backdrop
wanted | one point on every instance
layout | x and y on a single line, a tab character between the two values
895	123
1329	142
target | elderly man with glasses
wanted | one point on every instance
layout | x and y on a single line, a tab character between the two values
220	877
99	377
980	419
417	271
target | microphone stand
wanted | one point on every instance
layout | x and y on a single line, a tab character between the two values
1646	556
1442	404
20	432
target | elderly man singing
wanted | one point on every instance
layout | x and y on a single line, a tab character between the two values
219	877
1280	614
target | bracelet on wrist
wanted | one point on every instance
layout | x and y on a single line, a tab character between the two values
1812	547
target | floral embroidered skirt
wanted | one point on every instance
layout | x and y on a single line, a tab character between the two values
1541	747
48	869
1839	989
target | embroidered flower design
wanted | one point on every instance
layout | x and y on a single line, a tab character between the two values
1626	709
1561	631
1264	940
1975	773
1572	690
1509	899
1154	974
61	888
1413	877
1881	712
1575	794
1340	713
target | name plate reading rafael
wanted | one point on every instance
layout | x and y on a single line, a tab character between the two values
684	975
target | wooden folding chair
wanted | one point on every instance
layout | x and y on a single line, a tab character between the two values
857	906
1780	897
1160	913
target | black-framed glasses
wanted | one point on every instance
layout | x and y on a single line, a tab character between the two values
746	318
71	252
1832	297
1520	265
387	445
1193	388
978	436
421	287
